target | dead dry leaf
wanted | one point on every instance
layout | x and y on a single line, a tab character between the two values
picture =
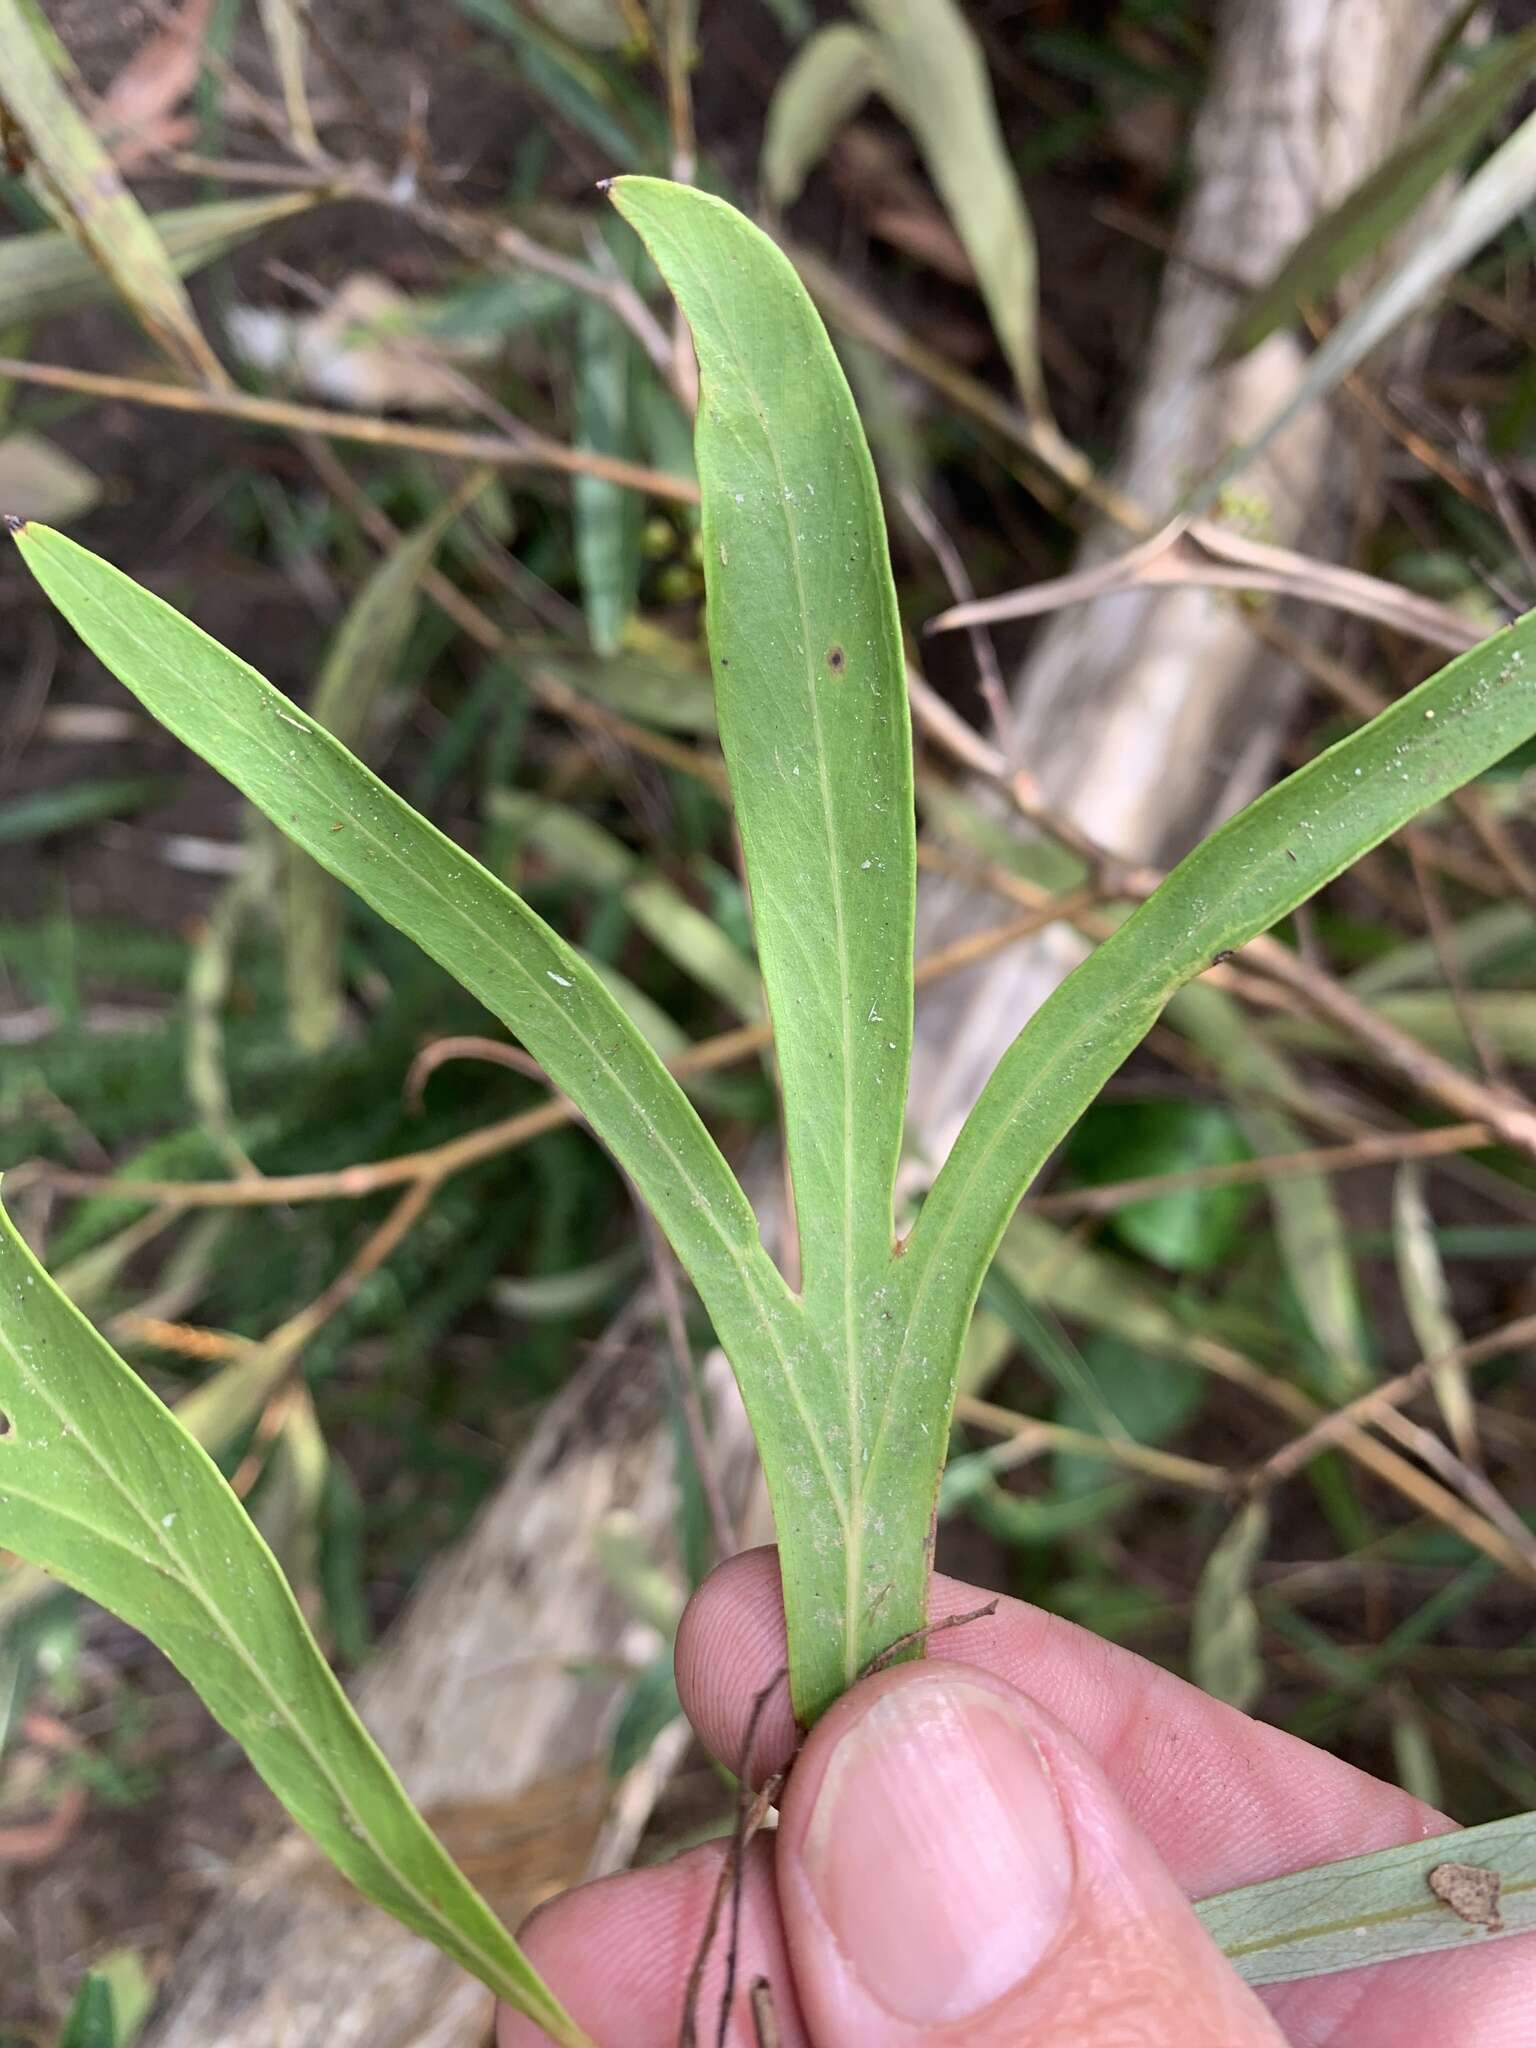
137	118
368	348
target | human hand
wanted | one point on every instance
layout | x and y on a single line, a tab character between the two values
997	1846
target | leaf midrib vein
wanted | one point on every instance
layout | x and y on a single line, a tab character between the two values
853	1523
210	1607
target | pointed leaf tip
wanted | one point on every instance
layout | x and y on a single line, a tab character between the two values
14	523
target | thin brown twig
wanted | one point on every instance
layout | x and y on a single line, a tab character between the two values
1512	1118
1425	1493
1146	1459
754	1815
1379	1149
994	691
1504	501
1442	935
1199	552
438	1162
685	1381
554	694
291	1337
494	1051
730	1868
1370	1407
515	248
920	1637
534	452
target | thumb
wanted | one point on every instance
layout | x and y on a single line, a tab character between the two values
953	1867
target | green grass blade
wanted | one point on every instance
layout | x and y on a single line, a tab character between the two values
609	520
1240	881
415	878
1311	1234
1365	217
43	812
1491	198
811	688
102	1487
359	666
79	183
49	272
1369	1909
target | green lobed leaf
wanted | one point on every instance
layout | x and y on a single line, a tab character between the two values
103	1488
79	183
1365	217
1242	879
478	930
811	689
1369	1909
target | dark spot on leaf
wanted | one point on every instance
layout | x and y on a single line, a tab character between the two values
6	1424
837	661
1471	1892
1224	955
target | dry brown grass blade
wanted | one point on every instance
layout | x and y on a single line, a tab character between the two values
533	452
1507	1114
138	116
1201	553
79	183
1341	1423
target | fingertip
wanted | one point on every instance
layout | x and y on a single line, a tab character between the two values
618	1952
730	1650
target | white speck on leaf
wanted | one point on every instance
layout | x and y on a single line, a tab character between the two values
559	979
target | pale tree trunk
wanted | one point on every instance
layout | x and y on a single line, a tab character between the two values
1141	716
1146	716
